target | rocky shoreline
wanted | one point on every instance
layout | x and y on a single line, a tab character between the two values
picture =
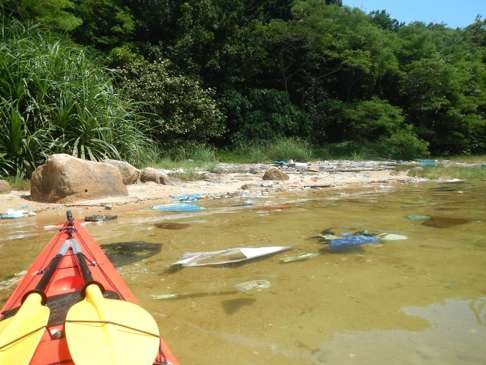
238	180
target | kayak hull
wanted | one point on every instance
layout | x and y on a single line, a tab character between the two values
65	289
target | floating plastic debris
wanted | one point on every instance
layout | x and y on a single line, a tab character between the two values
228	256
177	208
351	241
11	280
165	296
16	213
301	257
418	217
392	237
257	285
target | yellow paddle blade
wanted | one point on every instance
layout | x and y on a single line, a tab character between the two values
20	334
102	331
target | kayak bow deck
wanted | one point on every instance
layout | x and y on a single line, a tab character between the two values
63	287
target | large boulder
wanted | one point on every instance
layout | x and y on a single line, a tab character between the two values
65	179
4	187
151	174
275	174
129	173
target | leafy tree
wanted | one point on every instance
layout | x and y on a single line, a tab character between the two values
384	20
176	107
53	13
263	115
106	23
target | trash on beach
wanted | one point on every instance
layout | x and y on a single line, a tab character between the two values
280	163
392	237
452	181
187	197
125	253
228	256
257	285
16	213
444	222
428	163
172	225
300	257
418	217
100	218
350	241
177	208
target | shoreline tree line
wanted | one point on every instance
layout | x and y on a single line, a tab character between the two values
134	79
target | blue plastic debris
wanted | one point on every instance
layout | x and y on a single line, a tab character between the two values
178	208
428	163
15	213
351	241
187	197
279	163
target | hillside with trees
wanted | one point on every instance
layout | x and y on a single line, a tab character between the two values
134	79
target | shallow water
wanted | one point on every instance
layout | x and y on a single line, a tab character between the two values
422	300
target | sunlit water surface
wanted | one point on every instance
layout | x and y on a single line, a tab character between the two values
418	301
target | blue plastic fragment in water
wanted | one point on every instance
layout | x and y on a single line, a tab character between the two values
351	241
187	197
178	208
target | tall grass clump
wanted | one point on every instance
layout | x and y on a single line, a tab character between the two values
278	149
54	99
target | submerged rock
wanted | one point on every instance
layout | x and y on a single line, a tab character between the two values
172	225
125	253
444	222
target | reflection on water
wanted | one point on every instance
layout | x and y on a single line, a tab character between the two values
454	336
415	301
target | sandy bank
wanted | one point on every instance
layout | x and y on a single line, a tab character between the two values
237	180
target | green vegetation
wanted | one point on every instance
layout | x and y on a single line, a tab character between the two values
167	81
53	99
452	172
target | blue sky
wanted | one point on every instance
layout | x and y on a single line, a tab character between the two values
454	13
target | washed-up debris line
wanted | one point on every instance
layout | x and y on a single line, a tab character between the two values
100	218
187	198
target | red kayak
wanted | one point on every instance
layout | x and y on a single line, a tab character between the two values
59	276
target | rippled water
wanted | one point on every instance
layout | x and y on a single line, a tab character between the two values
418	301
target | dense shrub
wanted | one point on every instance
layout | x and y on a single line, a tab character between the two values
177	108
54	99
402	145
262	115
